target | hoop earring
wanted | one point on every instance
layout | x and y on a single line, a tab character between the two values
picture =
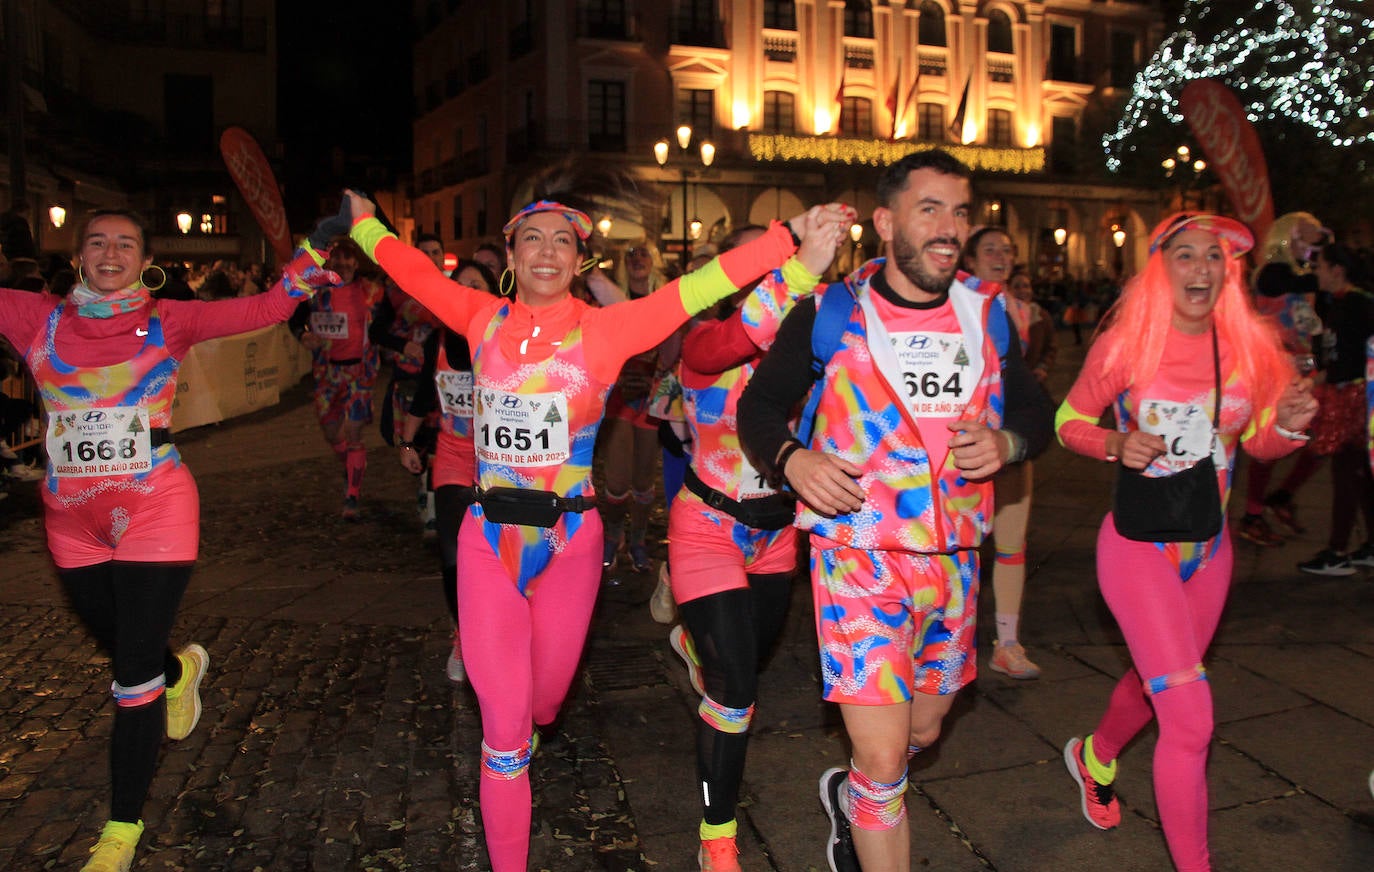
81	275
158	286
587	265
507	283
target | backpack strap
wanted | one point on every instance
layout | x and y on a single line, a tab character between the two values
827	333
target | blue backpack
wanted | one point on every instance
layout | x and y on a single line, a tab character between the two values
827	333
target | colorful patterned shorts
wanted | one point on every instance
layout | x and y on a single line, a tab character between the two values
344	393
882	624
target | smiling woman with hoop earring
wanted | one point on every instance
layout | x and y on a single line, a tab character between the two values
120	509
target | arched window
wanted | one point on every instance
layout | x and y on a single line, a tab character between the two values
858	18
780	14
999	32
932	30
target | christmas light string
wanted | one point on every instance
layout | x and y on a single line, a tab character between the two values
1311	65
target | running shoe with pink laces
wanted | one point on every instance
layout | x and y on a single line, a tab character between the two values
719	855
1011	661
1099	800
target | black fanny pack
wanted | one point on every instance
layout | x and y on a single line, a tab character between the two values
772	512
528	508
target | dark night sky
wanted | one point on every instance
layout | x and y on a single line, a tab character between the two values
344	76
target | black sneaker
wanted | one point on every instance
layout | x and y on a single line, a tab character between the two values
1328	562
839	851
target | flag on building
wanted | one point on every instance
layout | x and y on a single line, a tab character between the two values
911	94
839	98
956	127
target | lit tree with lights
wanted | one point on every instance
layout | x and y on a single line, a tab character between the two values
1303	71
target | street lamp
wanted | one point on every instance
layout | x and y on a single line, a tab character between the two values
604	226
1178	162
1060	234
184	222
57	215
707	155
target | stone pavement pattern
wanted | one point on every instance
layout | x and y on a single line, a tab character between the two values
332	741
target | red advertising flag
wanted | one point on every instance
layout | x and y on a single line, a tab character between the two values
253	175
1233	149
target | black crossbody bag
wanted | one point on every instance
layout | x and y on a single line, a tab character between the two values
1183	507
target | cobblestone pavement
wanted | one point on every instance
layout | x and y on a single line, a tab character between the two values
332	741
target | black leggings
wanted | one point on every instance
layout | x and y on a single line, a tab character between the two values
130	609
1352	492
733	631
450	506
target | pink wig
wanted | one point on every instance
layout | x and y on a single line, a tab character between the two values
1138	325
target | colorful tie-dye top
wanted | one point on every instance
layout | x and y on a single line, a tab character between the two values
710	398
864	416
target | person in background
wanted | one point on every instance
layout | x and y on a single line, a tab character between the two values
990	256
1183	326
433	247
1284	292
1340	430
120	509
334	325
492	256
445	381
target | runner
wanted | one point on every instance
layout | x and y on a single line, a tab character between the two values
543	363
989	254
447	365
730	537
922	398
1183	327
344	364
121	511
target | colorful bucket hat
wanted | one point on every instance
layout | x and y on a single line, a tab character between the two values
581	223
1236	235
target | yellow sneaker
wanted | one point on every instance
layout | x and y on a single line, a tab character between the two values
114	852
183	698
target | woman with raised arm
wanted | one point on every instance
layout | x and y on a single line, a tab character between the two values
530	554
121	511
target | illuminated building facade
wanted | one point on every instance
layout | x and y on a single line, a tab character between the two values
801	101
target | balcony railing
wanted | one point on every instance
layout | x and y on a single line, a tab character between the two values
858	57
1001	69
933	64
780	48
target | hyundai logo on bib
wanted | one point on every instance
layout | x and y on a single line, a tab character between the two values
93	416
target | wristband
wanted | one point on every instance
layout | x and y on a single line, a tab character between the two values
788	450
796	240
1291	434
404	444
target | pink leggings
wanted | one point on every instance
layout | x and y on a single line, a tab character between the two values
521	656
1168	624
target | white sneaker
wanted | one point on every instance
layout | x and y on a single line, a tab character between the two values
661	605
454	669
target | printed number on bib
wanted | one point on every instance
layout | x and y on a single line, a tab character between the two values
752	483
455	392
96	442
521	429
329	325
1186	429
935	372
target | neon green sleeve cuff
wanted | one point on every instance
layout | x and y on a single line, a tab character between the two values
799	279
369	233
704	287
314	255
